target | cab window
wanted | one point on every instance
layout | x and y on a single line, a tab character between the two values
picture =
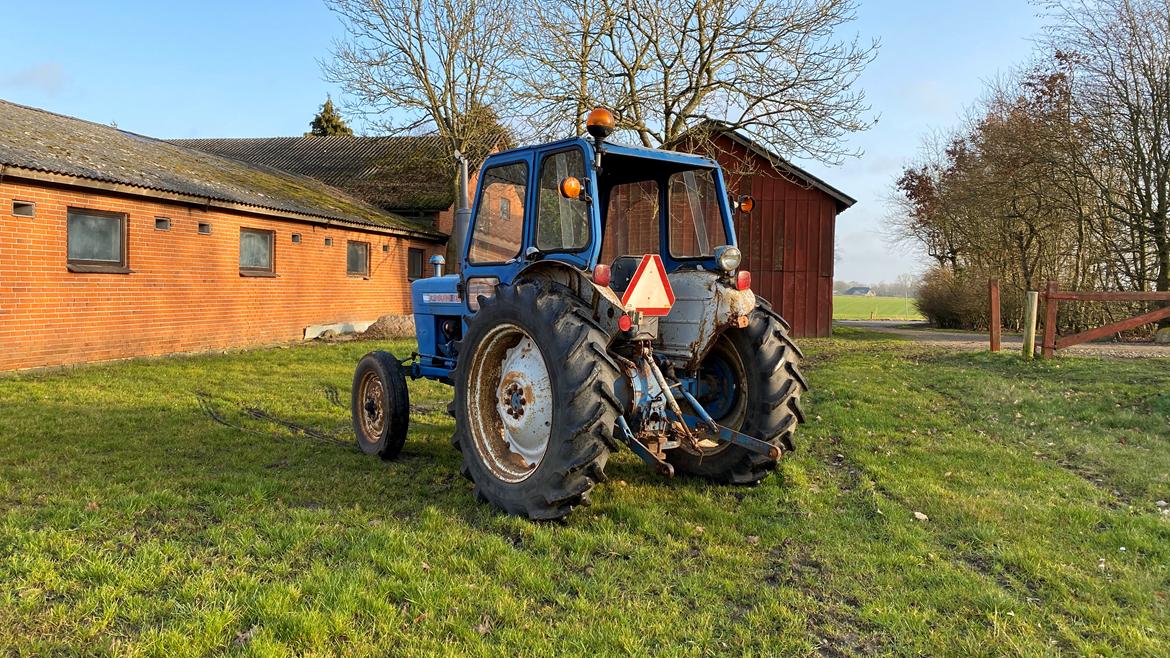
562	224
631	221
696	223
499	219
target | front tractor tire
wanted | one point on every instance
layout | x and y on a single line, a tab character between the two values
534	403
753	385
380	405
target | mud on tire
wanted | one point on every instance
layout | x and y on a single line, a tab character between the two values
769	408
581	377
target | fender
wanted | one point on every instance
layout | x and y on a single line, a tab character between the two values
607	306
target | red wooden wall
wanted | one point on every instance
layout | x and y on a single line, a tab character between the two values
787	241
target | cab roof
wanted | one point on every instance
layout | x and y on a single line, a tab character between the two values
611	148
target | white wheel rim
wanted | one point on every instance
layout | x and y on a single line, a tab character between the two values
510	409
523	401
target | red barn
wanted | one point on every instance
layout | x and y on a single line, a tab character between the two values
787	241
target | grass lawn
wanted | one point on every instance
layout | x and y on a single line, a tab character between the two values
847	307
133	523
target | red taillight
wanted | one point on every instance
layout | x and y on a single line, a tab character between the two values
625	322
743	280
601	275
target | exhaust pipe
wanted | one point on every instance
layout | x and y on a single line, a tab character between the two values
462	213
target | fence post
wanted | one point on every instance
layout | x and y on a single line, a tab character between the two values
994	322
1048	347
1030	304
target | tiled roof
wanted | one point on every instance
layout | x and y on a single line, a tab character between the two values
844	201
42	141
398	173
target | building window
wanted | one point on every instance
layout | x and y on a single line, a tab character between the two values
24	209
256	257
204	228
96	241
357	260
296	238
385	248
162	224
328	242
414	264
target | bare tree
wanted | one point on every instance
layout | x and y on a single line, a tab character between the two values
777	69
442	65
563	43
1117	54
924	213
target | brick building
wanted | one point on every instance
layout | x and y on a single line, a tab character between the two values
115	245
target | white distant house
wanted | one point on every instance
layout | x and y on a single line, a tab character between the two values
860	291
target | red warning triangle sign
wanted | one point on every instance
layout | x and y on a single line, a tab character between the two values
649	291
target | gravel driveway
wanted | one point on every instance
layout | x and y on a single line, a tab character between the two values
921	332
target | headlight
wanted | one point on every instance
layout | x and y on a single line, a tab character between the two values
728	257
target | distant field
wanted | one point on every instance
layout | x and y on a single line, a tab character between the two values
874	308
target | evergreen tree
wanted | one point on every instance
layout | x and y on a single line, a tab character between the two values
328	122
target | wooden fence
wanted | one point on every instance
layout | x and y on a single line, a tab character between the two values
1053	296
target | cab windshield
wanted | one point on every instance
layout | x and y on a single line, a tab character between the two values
632	214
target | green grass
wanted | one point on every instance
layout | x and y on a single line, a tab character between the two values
847	307
132	523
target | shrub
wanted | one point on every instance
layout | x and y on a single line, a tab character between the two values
952	301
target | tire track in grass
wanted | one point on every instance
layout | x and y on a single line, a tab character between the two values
1050	591
832	620
211	408
866	486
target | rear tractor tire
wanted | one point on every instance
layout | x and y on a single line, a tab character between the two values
380	405
534	403
753	386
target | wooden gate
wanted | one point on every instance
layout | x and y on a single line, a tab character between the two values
1053	295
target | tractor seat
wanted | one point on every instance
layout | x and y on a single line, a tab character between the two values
621	271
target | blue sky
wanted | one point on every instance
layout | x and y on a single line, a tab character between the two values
235	69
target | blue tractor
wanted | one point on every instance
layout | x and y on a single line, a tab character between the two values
599	303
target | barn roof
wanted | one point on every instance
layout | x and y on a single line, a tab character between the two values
39	141
843	200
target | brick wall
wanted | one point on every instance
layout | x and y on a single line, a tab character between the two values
185	293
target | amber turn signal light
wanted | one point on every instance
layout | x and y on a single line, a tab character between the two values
600	122
746	203
571	188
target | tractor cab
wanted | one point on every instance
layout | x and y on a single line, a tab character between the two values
599	303
562	202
